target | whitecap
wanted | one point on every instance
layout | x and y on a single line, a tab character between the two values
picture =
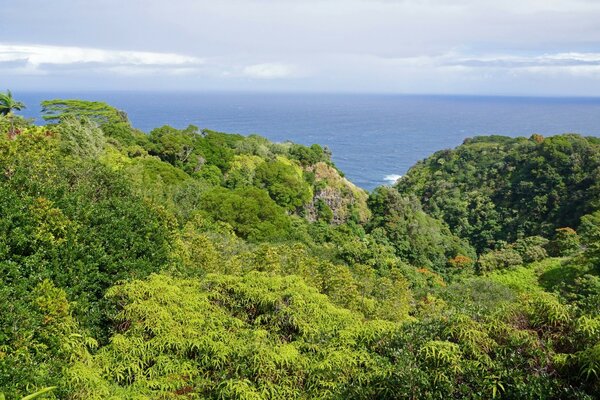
392	178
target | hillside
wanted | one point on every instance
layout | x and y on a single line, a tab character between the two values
495	188
193	264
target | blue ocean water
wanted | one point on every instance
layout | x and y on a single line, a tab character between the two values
374	138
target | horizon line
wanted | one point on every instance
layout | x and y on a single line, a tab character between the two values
306	92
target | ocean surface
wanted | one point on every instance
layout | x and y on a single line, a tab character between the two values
374	138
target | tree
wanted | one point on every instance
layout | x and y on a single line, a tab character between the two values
113	122
250	211
7	105
417	237
590	237
99	112
285	184
495	189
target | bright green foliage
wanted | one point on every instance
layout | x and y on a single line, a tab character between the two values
547	311
588	363
521	279
285	184
35	346
225	337
588	328
207	247
531	249
210	174
479	296
190	263
242	171
60	212
164	185
101	113
40	393
11	125
193	150
586	293
442	356
525	250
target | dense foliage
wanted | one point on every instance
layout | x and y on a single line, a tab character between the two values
189	263
495	188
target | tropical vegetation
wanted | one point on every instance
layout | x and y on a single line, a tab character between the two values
194	264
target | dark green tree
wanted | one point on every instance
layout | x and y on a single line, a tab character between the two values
418	238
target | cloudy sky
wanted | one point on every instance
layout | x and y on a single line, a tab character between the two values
511	47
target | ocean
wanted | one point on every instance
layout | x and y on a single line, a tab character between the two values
374	138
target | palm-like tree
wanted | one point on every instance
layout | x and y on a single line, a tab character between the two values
7	105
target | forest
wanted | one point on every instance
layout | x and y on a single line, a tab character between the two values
194	264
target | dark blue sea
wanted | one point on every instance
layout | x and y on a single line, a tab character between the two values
374	138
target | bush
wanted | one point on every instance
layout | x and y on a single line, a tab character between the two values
285	184
589	230
250	211
565	243
531	249
80	137
499	259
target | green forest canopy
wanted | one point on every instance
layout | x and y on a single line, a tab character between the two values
189	263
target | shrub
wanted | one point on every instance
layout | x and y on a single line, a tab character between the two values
499	259
565	243
250	211
531	248
284	183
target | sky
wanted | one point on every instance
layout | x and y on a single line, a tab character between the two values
481	47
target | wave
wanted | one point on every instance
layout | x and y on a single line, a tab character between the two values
392	178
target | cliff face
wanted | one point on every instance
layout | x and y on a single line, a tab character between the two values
341	196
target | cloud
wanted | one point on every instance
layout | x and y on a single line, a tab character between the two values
565	63
34	58
269	71
454	70
545	60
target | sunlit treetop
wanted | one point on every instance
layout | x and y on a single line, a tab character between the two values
57	109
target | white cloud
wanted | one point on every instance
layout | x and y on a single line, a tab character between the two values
269	71
34	58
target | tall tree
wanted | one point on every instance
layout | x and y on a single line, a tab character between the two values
7	105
